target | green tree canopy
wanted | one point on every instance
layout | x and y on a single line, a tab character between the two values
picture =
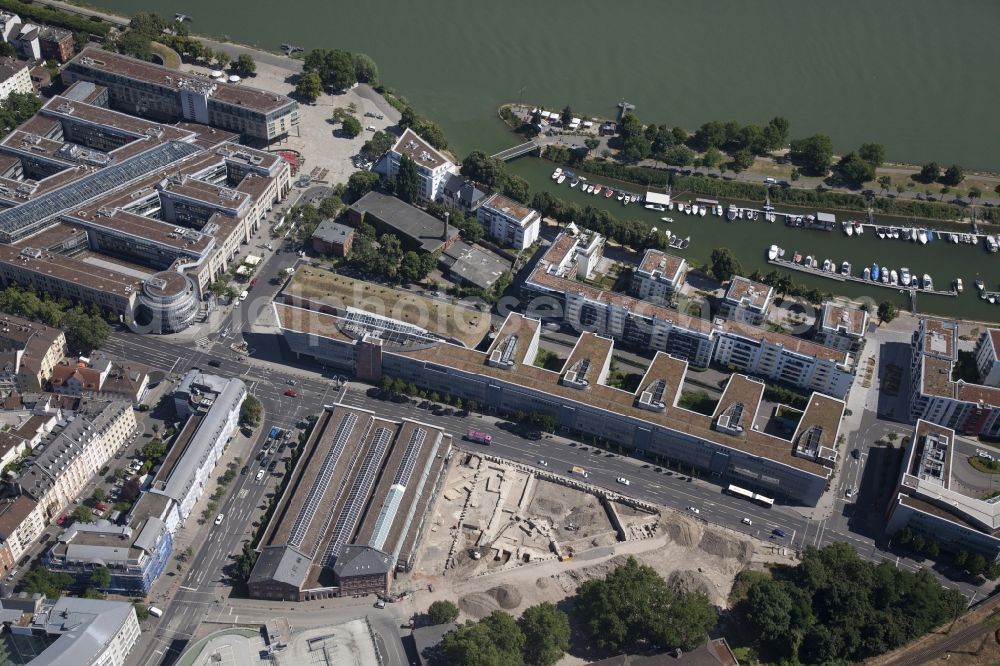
309	87
483	169
361	183
928	173
546	634
442	612
82	514
377	146
100	578
835	607
245	65
873	153
496	640
154	449
887	311
335	67
633	610
251	411
953	175
351	127
567	115
365	69
407	180
814	154
724	264
854	171
46	582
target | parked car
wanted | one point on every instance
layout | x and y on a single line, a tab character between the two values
214	363
778	532
218	519
856	453
694	509
291	394
260	474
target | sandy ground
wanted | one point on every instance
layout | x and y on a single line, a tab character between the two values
688	553
315	138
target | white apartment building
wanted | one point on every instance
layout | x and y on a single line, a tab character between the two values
746	301
432	166
987	360
658	277
21	523
90	632
69	457
842	326
784	358
9	25
508	222
14	78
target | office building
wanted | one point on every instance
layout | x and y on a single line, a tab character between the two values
930	499
509	223
165	95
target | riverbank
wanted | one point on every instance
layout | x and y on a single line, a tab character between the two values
601	158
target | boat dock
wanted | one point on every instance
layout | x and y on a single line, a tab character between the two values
840	277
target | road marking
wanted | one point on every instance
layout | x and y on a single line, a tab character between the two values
184	587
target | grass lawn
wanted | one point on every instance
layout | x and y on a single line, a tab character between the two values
169	57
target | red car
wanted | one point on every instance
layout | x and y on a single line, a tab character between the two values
253	283
291	394
61	519
101	506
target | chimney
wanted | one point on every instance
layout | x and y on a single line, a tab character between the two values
444	230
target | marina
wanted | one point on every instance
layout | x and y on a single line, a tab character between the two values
873	280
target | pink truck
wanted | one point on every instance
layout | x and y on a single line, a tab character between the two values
479	436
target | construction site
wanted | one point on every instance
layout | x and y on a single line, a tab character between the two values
508	536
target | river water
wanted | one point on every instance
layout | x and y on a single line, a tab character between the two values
916	75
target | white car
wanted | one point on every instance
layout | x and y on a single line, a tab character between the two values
543	463
622	480
218	519
747	521
850	492
260	475
694	509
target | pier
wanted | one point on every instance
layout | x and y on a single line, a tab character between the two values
839	277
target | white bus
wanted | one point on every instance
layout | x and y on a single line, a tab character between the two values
736	491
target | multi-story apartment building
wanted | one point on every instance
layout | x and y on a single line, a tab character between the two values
14	78
21	523
100	378
433	168
746	301
987	358
166	95
969	409
56	44
508	222
658	277
842	326
69	457
928	499
728	446
33	348
801	363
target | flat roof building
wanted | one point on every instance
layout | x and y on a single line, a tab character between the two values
473	265
333	238
746	301
416	229
353	511
842	326
508	222
658	277
503	379
433	168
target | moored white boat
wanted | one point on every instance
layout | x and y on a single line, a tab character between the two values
561	179
772	252
848	228
980	285
904	276
959	287
557	173
845	269
928	283
893	277
859	228
574	183
667	219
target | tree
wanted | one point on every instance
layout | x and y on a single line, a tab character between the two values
592	143
148	23
46	582
84	331
100	495
567	115
929	173
953	175
361	183
546	634
351	127
483	169
854	171
376	146
814	154
365	69
496	640
130	490
223	59
411	267
81	514
516	188
407	180
309	87
632	610
873	153
679	156
884	182
154	449
442	612
724	264
887	311
932	549
100	578
336	68
251	411
976	565
975	193
918	542
961	558
710	135
712	158
742	159
245	65
8	51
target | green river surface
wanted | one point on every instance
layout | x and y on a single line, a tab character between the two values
918	76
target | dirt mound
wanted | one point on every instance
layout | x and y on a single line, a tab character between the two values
689	581
721	546
508	596
679	530
478	605
543	583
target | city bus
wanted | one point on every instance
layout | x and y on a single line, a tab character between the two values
756	498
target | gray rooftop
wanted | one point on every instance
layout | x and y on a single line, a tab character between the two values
284	564
420	227
357	560
84	628
333	232
474	264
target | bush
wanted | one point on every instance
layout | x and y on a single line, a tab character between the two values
442	612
